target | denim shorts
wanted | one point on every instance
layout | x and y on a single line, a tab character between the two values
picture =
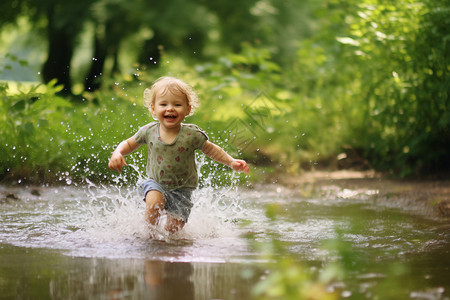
178	201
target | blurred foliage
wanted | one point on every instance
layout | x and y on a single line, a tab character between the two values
399	56
291	280
330	83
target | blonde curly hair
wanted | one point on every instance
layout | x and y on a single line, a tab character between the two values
174	85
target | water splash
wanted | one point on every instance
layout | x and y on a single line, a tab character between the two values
117	211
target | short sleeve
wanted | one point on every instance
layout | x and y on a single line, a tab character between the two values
199	137
141	135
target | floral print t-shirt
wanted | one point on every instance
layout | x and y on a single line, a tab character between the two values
172	165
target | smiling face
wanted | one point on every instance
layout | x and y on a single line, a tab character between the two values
170	108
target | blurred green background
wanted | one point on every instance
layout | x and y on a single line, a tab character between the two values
288	85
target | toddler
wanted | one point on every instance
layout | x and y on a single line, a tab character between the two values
172	173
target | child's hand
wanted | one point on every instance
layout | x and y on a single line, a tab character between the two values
117	162
240	166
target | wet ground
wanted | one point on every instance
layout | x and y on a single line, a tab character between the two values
429	198
353	234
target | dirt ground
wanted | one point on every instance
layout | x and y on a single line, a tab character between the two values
426	197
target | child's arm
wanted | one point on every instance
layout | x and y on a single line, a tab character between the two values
218	154
117	161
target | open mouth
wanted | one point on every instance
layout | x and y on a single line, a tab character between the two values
170	117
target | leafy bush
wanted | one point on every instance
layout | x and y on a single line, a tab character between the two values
50	138
30	121
399	61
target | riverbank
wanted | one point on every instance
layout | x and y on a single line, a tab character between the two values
430	198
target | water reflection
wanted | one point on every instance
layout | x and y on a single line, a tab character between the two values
169	280
48	274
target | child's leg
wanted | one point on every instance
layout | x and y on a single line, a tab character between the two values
173	225
154	205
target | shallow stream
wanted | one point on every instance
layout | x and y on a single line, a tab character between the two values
91	242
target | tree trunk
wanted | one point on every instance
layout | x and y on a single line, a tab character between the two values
151	52
93	80
60	52
57	66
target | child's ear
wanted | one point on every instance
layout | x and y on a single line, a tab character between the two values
188	110
151	109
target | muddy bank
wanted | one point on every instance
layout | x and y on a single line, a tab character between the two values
430	198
